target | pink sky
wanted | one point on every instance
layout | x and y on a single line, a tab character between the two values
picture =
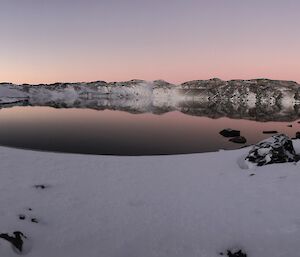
50	41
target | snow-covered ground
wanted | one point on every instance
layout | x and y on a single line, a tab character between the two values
164	206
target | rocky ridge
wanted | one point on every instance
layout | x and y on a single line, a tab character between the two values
256	99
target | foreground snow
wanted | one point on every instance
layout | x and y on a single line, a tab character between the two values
167	206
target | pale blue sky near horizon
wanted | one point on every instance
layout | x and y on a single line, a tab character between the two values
71	40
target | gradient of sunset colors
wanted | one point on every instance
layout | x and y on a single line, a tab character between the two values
86	40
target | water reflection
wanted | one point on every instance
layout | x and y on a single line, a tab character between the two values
122	133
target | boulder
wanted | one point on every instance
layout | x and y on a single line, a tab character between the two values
231	253
238	140
276	149
239	253
16	240
298	134
230	133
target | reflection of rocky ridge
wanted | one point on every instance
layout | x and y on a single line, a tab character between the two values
258	99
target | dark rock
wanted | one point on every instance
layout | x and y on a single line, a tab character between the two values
239	253
16	241
290	125
230	133
244	146
40	186
252	174
270	132
238	140
34	220
297	158
298	134
22	217
276	149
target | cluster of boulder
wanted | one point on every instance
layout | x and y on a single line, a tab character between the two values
276	149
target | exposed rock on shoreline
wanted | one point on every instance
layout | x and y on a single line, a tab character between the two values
276	149
230	133
238	140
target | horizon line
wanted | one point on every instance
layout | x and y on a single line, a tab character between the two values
143	80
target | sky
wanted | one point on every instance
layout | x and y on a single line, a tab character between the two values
44	41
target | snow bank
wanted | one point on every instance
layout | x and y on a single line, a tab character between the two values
165	206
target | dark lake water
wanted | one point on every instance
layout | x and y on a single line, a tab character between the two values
120	133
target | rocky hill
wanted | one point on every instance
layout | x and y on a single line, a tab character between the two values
257	99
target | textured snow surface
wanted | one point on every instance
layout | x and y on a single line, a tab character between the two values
166	206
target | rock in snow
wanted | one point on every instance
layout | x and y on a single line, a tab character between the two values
16	240
276	149
239	253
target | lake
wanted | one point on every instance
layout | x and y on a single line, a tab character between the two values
89	131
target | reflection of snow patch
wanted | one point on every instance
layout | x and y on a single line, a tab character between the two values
251	100
9	100
288	100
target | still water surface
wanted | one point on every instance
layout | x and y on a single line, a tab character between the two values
120	133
